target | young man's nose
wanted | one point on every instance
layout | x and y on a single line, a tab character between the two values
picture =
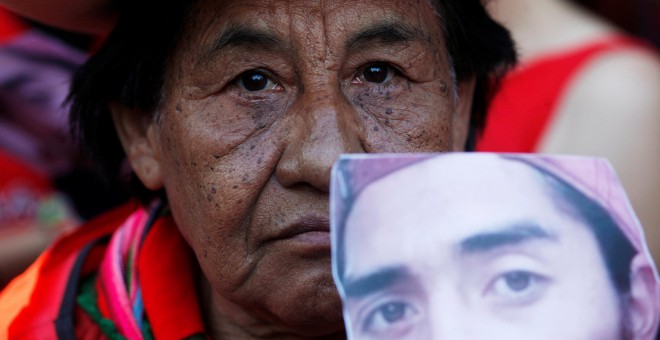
323	125
451	318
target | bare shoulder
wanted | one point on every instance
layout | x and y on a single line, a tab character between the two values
85	16
628	77
617	91
612	110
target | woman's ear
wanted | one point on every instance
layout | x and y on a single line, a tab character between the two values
462	113
136	132
644	300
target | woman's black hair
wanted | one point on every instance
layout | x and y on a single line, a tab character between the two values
479	47
129	69
616	249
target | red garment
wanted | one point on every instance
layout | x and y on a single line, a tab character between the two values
40	304
22	188
529	96
10	25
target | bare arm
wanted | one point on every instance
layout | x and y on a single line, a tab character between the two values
613	110
85	16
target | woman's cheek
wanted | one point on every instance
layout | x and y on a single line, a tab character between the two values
228	150
404	118
227	121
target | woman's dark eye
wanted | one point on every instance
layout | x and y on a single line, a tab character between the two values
377	73
255	81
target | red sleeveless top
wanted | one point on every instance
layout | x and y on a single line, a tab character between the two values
529	96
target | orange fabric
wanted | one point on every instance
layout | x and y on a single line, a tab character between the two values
166	268
17	295
30	303
529	96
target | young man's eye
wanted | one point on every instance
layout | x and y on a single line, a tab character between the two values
256	81
518	281
390	319
377	73
517	287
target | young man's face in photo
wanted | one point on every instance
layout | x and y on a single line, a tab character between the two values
478	256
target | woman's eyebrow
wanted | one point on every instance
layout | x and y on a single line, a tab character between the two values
508	236
244	36
387	32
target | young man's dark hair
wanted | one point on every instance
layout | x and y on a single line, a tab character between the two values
130	67
617	251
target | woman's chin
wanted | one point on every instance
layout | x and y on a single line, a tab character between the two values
306	298
285	294
319	315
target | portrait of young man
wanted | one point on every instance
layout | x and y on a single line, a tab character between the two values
483	246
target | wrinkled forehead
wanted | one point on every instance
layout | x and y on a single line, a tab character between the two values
324	26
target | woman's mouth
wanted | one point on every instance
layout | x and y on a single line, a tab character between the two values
309	234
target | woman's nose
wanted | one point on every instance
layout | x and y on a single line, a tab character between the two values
323	125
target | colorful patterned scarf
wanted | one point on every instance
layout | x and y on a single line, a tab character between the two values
119	279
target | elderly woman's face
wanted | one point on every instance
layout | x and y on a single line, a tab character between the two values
261	97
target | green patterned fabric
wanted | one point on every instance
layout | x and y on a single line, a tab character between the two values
88	301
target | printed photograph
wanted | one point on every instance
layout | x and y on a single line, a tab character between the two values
488	246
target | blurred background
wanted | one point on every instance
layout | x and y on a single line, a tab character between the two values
637	17
46	187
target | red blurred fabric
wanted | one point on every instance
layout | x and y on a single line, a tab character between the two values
166	268
30	304
528	98
10	25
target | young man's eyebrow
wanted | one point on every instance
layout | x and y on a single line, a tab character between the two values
508	236
375	282
244	36
385	32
